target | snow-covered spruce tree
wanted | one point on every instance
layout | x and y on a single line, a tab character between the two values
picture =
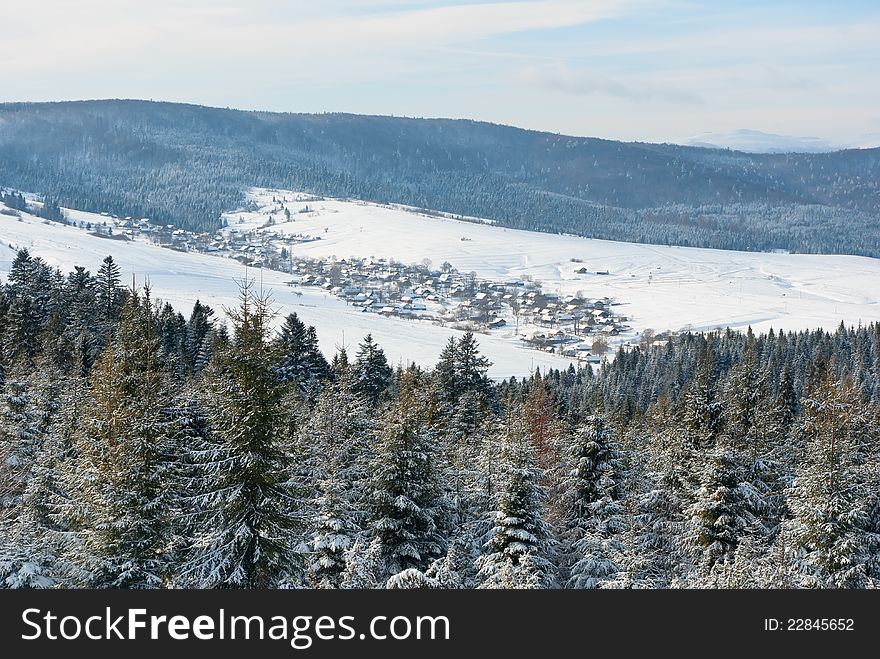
245	514
27	553
457	568
722	512
463	397
364	567
299	359
656	555
340	364
703	413
21	431
336	446
831	534
408	508
446	381
755	434
410	579
750	566
462	439
117	486
190	431
338	435
23	324
335	533
470	366
372	374
730	491
197	343
594	513
110	296
515	554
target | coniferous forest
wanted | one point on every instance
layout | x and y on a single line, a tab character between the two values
145	449
187	164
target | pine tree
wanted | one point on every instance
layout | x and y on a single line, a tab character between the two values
336	532
199	330
516	552
407	506
831	533
300	361
119	499
245	514
110	295
595	515
372	374
336	446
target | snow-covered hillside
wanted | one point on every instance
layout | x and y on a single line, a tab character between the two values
659	287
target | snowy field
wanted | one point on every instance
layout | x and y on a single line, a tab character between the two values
662	288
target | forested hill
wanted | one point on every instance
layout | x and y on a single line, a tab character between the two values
186	164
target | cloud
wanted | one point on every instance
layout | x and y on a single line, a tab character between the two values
561	78
55	35
775	78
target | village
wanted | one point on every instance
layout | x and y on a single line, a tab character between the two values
582	328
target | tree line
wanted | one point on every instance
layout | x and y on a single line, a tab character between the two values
143	449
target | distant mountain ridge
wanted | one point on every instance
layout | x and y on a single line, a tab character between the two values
756	141
186	164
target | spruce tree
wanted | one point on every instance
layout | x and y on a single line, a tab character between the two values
831	534
408	511
110	295
299	359
594	513
245	511
336	446
372	374
117	486
516	552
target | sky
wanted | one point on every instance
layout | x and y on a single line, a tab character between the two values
654	70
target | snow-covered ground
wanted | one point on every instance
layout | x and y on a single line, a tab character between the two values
658	287
181	278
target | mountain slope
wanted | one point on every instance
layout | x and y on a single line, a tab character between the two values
187	164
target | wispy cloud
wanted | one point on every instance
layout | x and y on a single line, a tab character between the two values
62	35
634	69
561	78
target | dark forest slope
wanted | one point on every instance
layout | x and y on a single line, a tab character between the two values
186	164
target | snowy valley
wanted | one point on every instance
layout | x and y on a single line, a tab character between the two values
412	278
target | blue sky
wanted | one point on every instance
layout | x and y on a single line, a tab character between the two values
663	70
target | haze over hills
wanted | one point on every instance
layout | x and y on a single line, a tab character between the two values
187	164
756	141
